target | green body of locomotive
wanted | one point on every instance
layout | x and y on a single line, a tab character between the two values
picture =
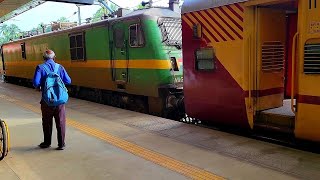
132	61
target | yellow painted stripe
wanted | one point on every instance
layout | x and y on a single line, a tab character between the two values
157	158
204	31
187	21
205	15
134	64
235	27
237	10
234	17
210	28
223	24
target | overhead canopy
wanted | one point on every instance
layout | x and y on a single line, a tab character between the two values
7	6
11	8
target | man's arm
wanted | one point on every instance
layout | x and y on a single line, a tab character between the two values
65	77
37	78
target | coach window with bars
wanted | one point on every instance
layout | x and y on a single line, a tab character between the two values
136	36
205	59
77	47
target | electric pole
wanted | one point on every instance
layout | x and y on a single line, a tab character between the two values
79	15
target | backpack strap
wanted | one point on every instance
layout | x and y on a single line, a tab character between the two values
46	68
56	68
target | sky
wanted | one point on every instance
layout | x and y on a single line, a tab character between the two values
51	11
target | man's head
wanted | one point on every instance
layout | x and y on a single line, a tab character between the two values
48	54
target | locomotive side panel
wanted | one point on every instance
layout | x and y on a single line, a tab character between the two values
22	57
94	70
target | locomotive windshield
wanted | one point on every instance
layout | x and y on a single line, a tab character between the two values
171	31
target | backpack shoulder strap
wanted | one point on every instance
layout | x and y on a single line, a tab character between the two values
45	67
56	68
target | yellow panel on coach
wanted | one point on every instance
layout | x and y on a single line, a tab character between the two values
308	74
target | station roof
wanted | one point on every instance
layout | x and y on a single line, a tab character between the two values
11	8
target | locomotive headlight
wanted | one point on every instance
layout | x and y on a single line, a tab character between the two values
174	64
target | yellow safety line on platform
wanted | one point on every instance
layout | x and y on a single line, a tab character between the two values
155	157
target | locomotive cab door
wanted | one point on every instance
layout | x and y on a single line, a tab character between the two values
120	55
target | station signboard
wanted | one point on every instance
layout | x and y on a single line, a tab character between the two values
87	2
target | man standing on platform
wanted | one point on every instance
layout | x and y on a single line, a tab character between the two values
48	112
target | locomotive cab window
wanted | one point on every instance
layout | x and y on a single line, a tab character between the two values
205	59
23	51
77	47
136	36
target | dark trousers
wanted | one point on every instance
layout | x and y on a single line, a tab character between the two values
58	112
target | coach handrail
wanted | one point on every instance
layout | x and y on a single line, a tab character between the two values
295	37
249	72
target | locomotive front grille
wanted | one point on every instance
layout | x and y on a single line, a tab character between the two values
272	56
312	59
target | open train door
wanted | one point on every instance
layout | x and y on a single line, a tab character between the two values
120	55
270	45
308	71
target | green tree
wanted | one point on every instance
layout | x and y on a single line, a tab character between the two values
9	32
140	6
63	19
102	11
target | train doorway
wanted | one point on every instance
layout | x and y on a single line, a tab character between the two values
120	55
276	25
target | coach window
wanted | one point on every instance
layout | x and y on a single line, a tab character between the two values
77	47
23	50
205	59
136	36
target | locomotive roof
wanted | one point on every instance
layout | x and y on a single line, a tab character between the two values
197	5
161	12
151	12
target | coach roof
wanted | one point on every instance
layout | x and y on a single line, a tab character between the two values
197	5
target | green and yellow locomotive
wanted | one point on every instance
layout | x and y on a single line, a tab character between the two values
133	61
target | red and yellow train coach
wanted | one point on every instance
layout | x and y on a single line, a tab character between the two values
253	64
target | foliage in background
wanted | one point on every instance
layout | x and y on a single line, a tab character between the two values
9	32
101	12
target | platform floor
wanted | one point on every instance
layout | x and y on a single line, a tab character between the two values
104	142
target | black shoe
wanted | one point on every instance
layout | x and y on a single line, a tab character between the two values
61	147
44	145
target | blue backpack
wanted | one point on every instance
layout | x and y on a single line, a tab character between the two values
54	92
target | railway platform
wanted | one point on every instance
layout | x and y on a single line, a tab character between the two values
104	142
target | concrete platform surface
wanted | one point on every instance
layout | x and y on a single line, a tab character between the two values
104	142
